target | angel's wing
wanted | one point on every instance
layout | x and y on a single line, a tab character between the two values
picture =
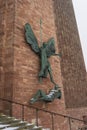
50	48
31	38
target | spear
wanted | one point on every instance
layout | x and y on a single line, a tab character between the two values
41	42
41	31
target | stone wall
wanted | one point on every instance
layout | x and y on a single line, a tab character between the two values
27	63
6	48
72	62
20	66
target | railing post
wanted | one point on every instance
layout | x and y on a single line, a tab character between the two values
11	107
37	117
52	121
22	113
69	123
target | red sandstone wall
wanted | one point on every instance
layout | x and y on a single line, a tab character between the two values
72	63
19	65
27	63
77	113
6	48
1	58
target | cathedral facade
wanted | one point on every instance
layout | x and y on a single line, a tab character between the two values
19	65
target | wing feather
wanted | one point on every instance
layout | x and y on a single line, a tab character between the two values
50	48
31	38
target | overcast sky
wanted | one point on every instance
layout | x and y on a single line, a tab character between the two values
80	8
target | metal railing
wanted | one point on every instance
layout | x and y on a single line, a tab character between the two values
44	110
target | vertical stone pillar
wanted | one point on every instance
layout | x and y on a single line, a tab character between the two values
6	49
72	63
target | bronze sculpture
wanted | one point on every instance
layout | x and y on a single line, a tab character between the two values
44	52
42	96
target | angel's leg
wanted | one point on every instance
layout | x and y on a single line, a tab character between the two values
51	76
44	63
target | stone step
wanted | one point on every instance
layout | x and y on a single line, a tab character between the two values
4	118
28	126
37	128
11	123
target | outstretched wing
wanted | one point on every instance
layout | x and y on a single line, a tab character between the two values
31	38
50	48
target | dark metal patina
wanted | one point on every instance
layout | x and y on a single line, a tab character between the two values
46	50
42	96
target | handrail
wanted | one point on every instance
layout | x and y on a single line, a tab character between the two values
41	109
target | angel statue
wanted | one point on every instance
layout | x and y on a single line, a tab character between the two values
46	50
